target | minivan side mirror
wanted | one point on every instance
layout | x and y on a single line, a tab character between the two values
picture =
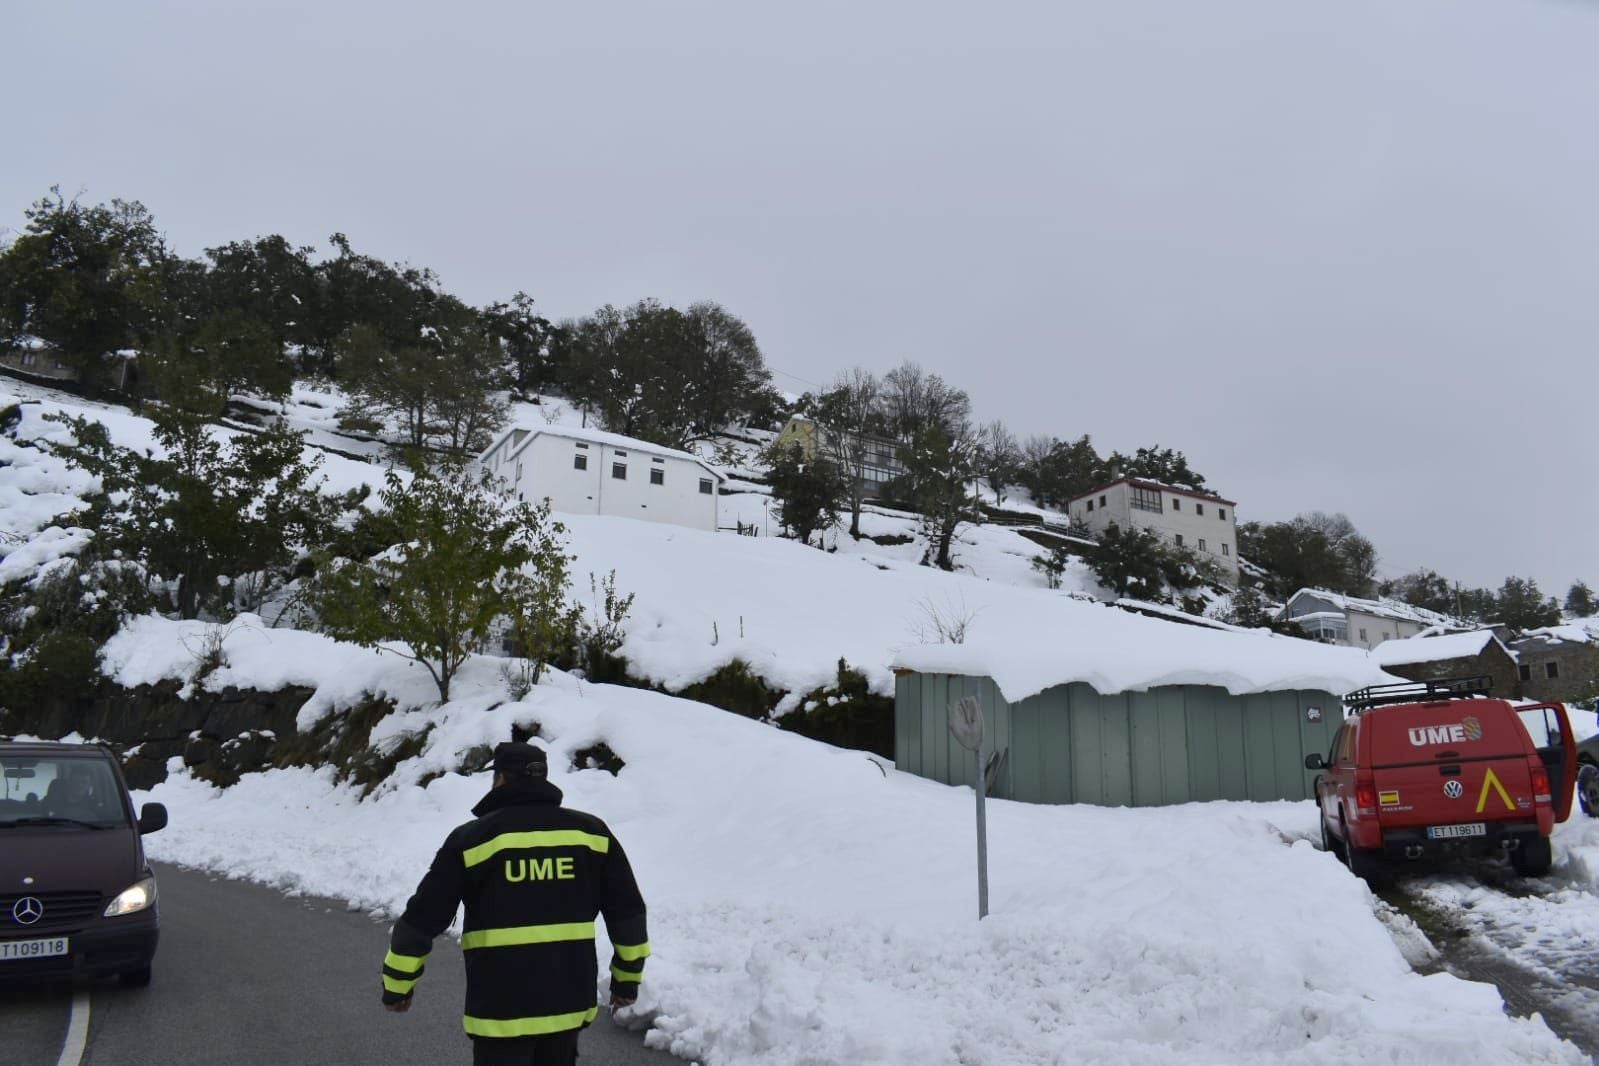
152	818
1314	761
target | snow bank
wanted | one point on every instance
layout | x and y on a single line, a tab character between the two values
810	905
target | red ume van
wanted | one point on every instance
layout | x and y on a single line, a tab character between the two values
1431	768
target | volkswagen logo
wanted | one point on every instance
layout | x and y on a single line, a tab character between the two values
27	911
1454	789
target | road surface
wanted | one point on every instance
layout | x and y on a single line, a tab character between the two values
250	977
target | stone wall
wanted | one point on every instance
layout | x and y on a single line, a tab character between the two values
220	736
1493	662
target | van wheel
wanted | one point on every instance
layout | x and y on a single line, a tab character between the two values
139	978
1330	843
1534	857
1364	864
1588	789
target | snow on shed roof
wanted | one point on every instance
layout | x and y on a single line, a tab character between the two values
1433	649
1114	651
601	437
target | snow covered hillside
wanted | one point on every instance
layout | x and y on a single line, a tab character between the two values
812	905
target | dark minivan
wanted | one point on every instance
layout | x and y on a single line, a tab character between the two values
77	898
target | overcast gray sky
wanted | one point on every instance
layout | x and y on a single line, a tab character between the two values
1344	255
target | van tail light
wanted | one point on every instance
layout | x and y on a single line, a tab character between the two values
1541	792
1366	798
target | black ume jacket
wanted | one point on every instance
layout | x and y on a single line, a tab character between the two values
533	875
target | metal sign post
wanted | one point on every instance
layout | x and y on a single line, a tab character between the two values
968	726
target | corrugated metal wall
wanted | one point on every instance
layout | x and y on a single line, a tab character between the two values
1070	744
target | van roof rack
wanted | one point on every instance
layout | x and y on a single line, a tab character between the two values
1444	688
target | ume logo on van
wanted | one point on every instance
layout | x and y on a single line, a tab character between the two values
1468	729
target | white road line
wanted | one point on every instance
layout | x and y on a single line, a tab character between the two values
77	1030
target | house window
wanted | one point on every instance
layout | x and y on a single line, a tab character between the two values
1221	512
1551	669
706	488
1224	550
1176	504
1525	671
1385	634
580	462
657	476
620	452
1179	538
1146	499
1090	506
1199	508
1102	501
1202	544
1363	636
619	471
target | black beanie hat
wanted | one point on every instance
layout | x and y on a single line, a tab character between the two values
517	759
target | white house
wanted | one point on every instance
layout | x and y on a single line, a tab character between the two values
1357	622
1198	521
589	471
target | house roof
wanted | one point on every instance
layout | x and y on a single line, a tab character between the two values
1583	631
1435	649
600	437
1145	483
1395	609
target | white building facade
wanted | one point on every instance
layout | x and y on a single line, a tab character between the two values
588	471
1204	524
1356	622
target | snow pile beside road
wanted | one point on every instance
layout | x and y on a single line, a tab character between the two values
810	904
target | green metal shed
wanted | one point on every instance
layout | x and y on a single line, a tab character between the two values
1072	744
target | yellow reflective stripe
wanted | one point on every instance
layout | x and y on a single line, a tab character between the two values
527	934
540	1025
404	963
620	974
398	987
539	838
633	952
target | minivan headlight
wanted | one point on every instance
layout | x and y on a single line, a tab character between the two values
131	900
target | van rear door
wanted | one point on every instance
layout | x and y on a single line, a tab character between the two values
1450	763
1549	726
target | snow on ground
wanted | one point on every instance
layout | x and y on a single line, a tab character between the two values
812	905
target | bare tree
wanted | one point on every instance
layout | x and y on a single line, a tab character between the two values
915	401
848	412
1000	460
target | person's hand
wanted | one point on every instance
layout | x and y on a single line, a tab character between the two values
399	1006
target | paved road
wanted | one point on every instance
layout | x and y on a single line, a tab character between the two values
249	977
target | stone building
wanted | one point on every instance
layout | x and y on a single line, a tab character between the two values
1560	663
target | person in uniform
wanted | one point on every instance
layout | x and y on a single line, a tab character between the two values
533	875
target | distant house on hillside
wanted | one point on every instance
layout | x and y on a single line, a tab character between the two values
1359	623
880	462
1478	653
1198	521
589	471
1560	662
33	357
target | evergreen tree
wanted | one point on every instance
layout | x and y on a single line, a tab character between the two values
1580	602
1129	562
455	572
940	468
216	518
809	492
78	279
1157	464
1521	606
1426	589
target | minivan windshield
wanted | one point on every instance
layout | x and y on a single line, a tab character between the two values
45	790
